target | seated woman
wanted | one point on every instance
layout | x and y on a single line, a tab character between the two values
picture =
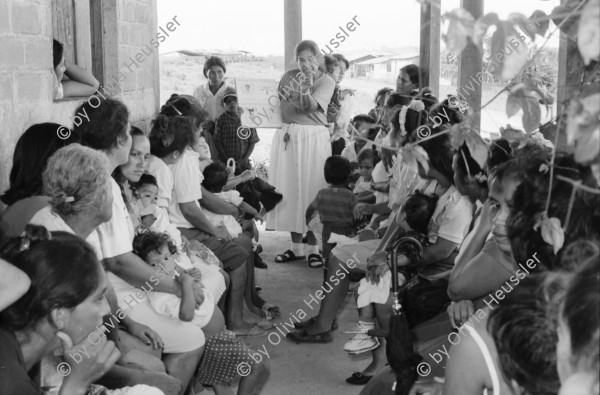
108	131
169	139
80	82
62	309
24	197
77	182
515	336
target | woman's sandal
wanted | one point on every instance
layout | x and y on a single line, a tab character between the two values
315	261
288	256
270	311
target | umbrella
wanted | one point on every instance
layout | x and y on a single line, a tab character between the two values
399	348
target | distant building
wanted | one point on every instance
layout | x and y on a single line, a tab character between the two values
382	67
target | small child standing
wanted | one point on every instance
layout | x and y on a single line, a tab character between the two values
158	251
413	220
231	140
215	178
332	210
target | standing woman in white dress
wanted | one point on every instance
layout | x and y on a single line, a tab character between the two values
210	95
300	148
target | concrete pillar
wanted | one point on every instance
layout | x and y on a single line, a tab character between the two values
292	26
469	64
429	54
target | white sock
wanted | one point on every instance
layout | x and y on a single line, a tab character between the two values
297	249
313	249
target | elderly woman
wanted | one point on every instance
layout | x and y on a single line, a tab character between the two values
300	148
108	131
210	95
64	305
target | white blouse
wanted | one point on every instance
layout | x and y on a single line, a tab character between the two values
211	103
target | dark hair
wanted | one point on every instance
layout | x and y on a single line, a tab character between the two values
440	155
186	106
417	75
427	97
307	44
529	202
466	170
580	311
524	336
395	99
208	127
63	269
343	59
32	151
329	62
419	209
170	134
445	113
368	154
337	170
500	151
146	242
57	52
412	121
215	177
213	61
117	174
145	179
466	164
382	92
107	123
363	118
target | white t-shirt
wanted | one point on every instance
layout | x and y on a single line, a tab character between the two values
116	236
53	222
451	217
211	103
164	179
168	304
187	179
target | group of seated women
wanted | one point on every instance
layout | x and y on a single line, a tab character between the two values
485	284
116	275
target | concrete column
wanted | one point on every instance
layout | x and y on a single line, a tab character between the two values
469	64
292	26
429	54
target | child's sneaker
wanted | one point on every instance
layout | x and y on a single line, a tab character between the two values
361	342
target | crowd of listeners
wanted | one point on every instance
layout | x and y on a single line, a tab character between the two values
128	256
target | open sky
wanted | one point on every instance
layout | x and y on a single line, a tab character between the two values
257	25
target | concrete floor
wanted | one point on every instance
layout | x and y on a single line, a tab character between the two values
302	369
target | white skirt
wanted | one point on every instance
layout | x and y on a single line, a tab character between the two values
297	172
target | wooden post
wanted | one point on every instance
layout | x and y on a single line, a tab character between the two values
292	26
429	54
469	64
